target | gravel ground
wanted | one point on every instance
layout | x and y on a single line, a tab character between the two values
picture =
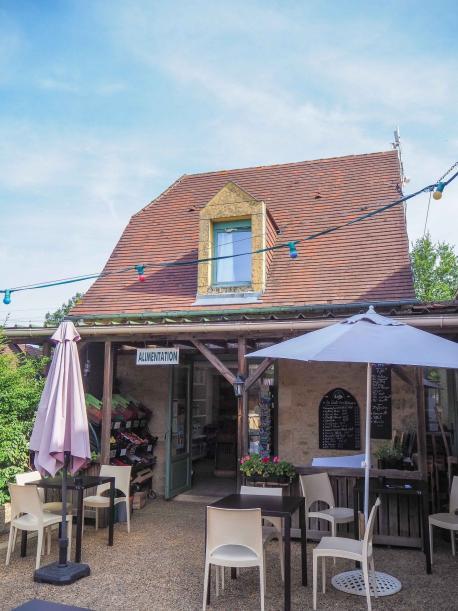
159	566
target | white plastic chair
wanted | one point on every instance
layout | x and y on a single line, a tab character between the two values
316	488
27	514
234	539
342	547
32	476
122	483
449	521
277	523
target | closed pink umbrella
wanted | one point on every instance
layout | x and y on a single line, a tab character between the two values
61	423
60	438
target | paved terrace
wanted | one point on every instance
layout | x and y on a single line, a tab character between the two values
159	566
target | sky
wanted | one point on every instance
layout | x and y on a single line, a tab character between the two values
103	104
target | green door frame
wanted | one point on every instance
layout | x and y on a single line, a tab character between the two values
178	468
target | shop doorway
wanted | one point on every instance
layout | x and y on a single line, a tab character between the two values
213	433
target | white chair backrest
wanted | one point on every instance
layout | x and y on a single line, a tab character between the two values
368	534
121	475
454	495
30	476
261	491
25	499
316	487
234	527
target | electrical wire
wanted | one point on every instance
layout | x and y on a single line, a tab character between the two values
290	244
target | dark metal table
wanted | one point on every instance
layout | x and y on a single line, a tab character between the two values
281	507
415	488
79	484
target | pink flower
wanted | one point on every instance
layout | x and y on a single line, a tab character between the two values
275	459
265	459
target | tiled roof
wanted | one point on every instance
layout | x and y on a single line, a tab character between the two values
365	262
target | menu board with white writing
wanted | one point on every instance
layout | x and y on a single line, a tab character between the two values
381	402
339	421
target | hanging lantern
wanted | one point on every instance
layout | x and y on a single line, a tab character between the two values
238	385
141	272
7	297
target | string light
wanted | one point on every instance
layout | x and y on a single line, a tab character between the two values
437	187
438	190
141	272
292	250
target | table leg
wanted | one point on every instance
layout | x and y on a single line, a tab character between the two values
303	527
425	529
355	511
79	525
111	512
23	543
233	573
287	549
209	568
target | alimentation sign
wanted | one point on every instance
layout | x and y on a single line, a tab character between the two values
158	356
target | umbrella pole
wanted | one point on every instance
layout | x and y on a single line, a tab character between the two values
63	540
367	445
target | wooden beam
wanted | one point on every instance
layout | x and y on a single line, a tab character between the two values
106	404
421	423
257	373
214	360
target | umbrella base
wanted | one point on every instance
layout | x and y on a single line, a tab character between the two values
61	574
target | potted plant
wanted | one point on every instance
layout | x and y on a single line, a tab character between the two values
263	468
389	457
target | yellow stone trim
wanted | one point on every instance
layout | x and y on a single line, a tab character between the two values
232	203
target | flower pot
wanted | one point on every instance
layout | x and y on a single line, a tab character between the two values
390	463
268	480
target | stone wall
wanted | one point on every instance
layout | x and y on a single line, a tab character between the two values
301	386
150	385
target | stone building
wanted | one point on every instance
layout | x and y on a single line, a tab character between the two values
210	268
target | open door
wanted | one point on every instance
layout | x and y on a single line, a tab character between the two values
178	463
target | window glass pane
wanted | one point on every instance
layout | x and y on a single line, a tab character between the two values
228	242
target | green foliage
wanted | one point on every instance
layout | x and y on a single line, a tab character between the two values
21	384
389	453
435	270
53	319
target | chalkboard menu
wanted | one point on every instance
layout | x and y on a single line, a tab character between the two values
339	421
381	402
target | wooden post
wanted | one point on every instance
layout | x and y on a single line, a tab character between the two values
106	403
242	406
421	423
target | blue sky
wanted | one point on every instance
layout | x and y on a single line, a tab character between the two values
104	104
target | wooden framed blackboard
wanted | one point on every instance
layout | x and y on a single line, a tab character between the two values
339	421
381	413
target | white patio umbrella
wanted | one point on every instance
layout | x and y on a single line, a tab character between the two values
367	338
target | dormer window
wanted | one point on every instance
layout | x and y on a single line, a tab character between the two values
235	225
232	239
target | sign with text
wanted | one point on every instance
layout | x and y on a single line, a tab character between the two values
158	356
339	421
381	426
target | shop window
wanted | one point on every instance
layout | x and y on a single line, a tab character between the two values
232	240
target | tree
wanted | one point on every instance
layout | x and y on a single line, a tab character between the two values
55	318
435	270
21	384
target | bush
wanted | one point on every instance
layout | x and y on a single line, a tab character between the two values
21	384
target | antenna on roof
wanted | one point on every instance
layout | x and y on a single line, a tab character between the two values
397	147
